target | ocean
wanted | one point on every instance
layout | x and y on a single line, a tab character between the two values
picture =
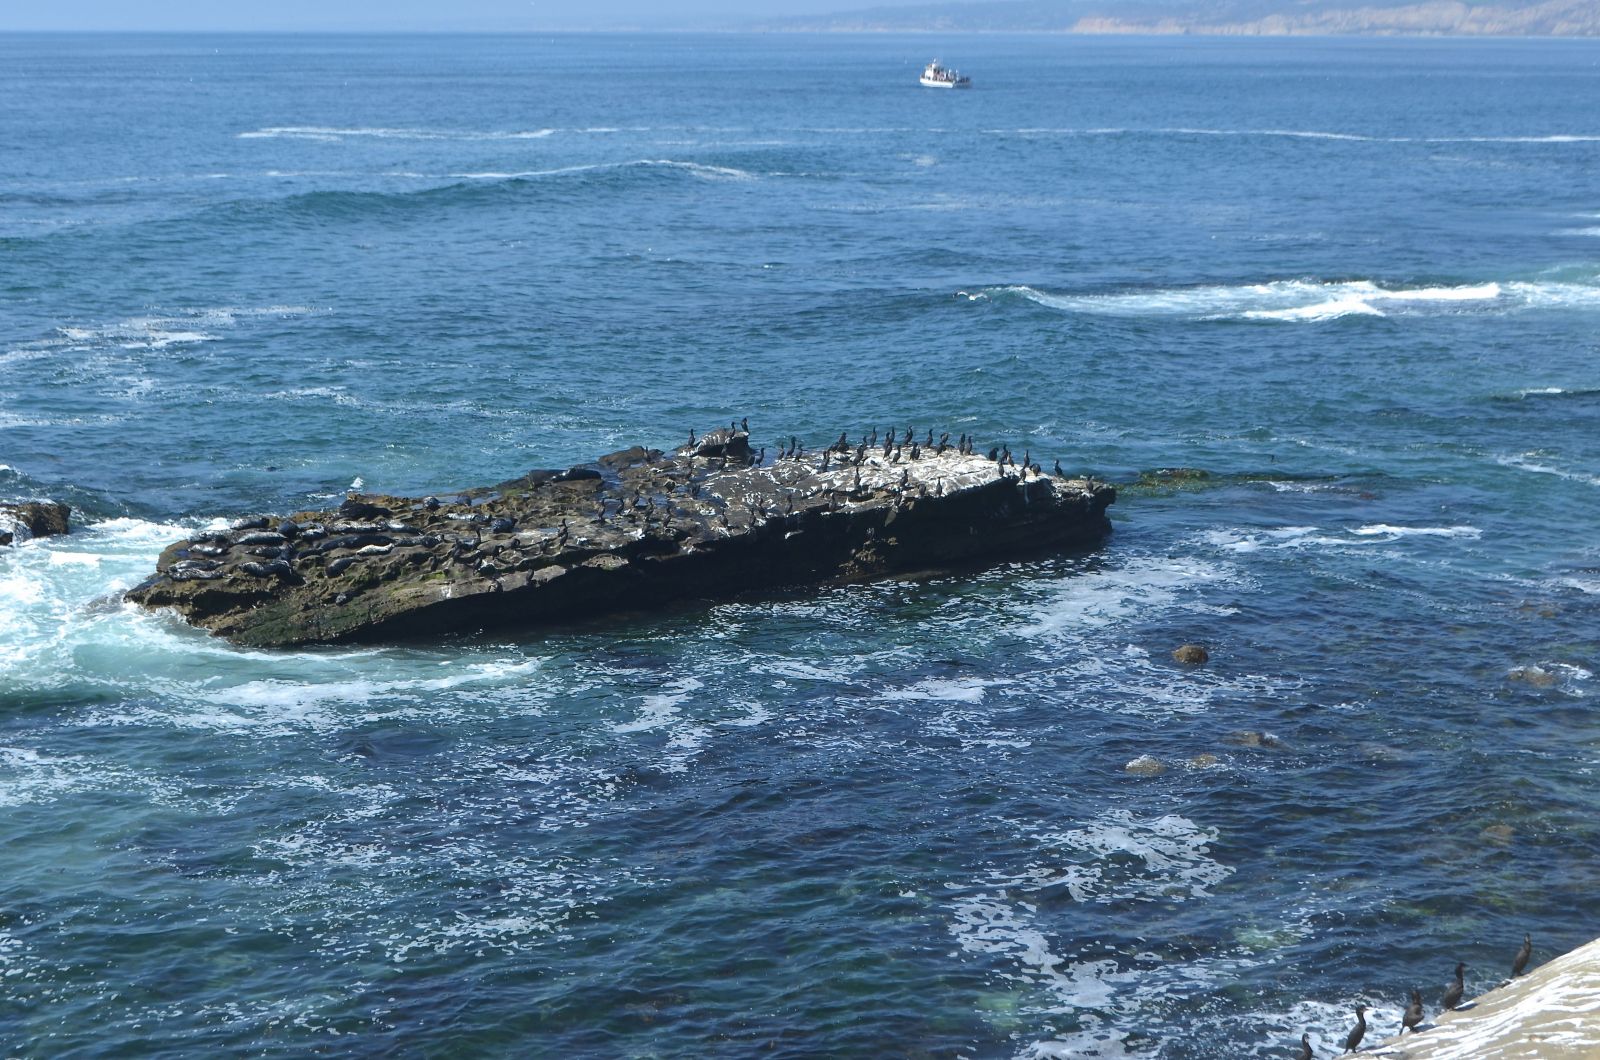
1352	285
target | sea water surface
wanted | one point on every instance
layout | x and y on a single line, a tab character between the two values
1356	282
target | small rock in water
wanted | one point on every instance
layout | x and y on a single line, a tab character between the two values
1534	676
1203	761
33	519
1191	654
1145	766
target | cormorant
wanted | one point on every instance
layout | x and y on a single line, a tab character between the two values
1453	992
994	454
1305	1048
1357	1032
1520	962
1413	1015
744	424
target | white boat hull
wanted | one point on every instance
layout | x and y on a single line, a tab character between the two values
930	82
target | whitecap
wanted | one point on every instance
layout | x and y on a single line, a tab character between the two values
1537	464
1329	310
1311	300
329	134
1386	530
698	169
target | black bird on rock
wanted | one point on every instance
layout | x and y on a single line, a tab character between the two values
1453	992
1413	1015
1357	1032
1305	1052
994	454
744	424
1520	961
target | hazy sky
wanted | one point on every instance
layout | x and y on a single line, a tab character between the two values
402	14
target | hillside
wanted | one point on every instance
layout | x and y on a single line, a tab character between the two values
1552	18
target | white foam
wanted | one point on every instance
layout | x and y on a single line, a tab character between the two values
1385	530
328	134
1537	464
698	169
1312	300
1332	309
1108	597
964	690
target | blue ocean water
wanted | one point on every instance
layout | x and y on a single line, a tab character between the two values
1357	282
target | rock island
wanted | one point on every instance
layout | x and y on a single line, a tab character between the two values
631	530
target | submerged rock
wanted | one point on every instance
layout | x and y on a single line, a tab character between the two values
28	519
1245	738
634	529
1533	676
1191	654
1146	766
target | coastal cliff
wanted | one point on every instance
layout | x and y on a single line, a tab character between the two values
633	529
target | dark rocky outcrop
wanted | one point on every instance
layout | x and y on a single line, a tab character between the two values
632	530
21	521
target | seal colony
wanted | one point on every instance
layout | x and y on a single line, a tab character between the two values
634	529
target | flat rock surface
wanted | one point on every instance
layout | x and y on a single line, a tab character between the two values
631	530
1551	1013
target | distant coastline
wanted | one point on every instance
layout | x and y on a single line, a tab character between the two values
1234	18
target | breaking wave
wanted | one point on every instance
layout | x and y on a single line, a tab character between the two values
331	134
1302	301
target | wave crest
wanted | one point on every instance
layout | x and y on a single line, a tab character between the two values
1311	300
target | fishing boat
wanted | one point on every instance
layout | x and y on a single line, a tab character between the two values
936	76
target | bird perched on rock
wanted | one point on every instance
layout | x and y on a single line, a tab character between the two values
1520	961
994	454
1357	1032
1305	1052
744	424
1413	1015
1453	992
